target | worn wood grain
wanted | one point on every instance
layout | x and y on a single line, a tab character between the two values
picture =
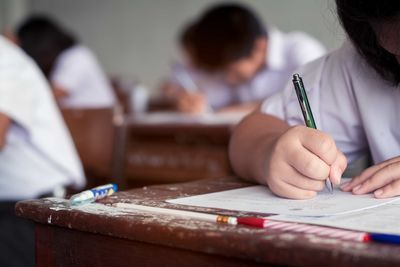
132	231
173	151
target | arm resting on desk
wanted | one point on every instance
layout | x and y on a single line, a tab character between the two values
184	100
293	161
251	141
244	107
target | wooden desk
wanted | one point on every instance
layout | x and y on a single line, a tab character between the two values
99	235
173	147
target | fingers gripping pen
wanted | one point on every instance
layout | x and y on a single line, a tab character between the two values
307	113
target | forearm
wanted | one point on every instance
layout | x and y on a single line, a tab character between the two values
4	125
247	107
252	143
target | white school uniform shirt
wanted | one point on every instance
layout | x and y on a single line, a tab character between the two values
350	101
38	154
286	52
79	73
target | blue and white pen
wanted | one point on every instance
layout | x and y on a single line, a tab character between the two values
91	195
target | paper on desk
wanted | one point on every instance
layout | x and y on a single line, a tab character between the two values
259	199
182	118
383	219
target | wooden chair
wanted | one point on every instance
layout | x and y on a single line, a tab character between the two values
93	132
122	93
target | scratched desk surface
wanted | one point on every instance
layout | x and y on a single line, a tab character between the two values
246	246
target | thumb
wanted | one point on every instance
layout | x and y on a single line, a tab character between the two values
337	168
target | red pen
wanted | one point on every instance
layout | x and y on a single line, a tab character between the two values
252	221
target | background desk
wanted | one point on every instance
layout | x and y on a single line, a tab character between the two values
98	235
172	147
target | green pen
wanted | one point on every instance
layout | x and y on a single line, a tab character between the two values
307	113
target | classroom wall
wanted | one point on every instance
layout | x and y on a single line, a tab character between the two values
137	37
2	15
11	12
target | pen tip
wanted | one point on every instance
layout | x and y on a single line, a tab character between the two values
296	76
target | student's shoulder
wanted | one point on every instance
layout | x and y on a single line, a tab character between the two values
346	54
336	63
299	37
12	56
343	67
344	57
77	55
298	40
14	62
78	50
348	61
300	48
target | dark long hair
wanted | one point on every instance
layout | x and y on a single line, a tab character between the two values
356	17
44	40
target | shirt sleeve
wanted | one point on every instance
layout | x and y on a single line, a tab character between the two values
183	77
17	100
71	69
302	48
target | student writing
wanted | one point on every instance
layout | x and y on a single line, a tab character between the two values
235	60
354	92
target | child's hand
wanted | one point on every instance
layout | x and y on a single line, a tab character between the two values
301	161
191	102
383	179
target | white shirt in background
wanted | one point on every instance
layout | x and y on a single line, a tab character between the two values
78	72
286	52
350	101
38	154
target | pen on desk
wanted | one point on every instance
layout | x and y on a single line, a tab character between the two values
257	222
249	221
91	195
384	238
306	110
180	213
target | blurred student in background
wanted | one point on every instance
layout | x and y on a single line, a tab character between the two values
75	75
233	62
37	156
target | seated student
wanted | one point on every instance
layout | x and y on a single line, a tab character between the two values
37	156
233	61
72	69
354	93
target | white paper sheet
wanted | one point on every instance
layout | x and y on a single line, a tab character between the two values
259	199
182	118
384	219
